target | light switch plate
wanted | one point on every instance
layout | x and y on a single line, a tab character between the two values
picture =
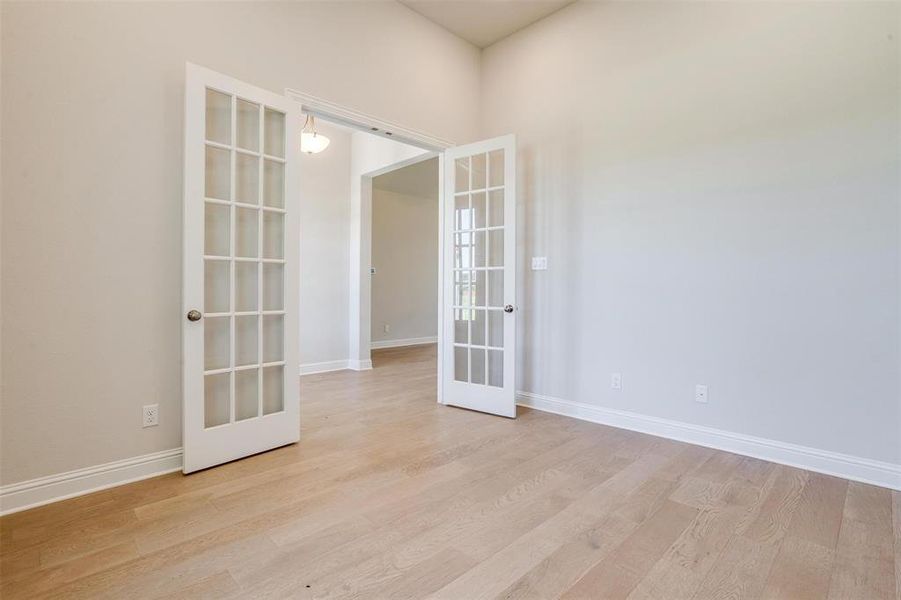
539	263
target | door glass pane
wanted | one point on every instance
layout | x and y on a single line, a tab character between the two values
216	399
461	174
246	286
462	214
461	363
247	178
273	338
218	173
246	232
273	390
477	365
216	342
477	330
218	117
478	172
273	286
495	287
478	248
246	340
461	326
274	134
495	208
496	328
273	184
246	394
463	250
216	230
215	286
479	212
462	290
248	125
496	248
479	289
496	168
273	235
496	368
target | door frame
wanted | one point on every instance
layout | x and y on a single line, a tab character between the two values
365	317
361	221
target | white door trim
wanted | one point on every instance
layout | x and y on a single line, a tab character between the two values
362	325
337	113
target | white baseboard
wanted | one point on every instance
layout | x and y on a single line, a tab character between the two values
812	459
404	342
359	365
324	367
335	365
44	490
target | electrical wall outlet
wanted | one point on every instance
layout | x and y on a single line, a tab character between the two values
151	415
616	381
387	328
539	263
701	393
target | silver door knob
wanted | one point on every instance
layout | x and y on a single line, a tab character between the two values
194	315
508	308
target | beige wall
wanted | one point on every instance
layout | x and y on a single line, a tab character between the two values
405	256
92	104
716	188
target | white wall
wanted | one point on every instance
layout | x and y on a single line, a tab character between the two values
92	105
716	186
405	256
324	248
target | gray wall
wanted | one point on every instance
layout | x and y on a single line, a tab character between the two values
405	255
92	109
716	187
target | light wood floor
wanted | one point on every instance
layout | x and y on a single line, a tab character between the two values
389	495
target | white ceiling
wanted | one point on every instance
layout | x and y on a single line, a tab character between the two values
484	22
418	179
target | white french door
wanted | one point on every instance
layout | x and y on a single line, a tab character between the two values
479	276
241	252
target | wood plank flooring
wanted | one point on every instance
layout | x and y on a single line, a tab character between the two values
389	495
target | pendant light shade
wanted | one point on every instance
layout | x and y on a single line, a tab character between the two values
310	141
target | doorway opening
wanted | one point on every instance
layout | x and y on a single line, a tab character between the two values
366	167
404	278
477	247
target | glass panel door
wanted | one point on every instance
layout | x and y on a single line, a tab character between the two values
479	234
241	255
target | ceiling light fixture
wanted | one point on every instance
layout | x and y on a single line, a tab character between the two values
310	141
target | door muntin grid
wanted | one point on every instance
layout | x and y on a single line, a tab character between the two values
244	259
478	269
